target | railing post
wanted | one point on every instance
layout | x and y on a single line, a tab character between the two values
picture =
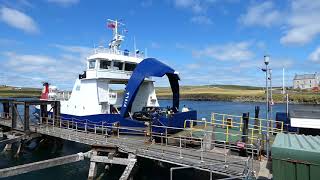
102	127
252	133
85	127
223	120
267	145
166	136
241	123
225	153
95	129
118	132
227	134
212	117
201	155
180	146
161	139
260	127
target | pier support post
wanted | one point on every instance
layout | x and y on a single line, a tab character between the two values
26	127
6	109
93	167
256	118
14	116
43	113
19	149
56	110
8	147
245	117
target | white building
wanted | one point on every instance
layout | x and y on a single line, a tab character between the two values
306	81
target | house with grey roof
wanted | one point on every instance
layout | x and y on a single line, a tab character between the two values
306	81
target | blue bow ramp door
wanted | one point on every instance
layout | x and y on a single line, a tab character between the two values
149	67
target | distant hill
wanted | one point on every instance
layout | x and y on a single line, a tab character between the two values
235	93
11	91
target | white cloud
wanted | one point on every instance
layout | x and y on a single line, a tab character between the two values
315	55
60	70
155	45
27	62
263	14
73	48
64	3
146	3
204	20
18	19
298	19
231	51
197	6
302	23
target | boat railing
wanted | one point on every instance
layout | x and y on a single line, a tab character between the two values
117	52
61	96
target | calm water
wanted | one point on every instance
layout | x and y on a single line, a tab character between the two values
147	169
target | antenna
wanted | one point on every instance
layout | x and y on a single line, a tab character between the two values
283	90
134	46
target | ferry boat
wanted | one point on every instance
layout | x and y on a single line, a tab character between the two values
93	98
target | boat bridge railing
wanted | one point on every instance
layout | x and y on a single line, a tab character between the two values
117	52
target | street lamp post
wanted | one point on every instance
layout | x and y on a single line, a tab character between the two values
271	98
266	70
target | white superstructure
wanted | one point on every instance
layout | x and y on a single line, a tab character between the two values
92	92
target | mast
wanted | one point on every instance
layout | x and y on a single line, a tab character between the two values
117	37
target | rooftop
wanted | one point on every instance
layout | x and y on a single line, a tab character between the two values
305	76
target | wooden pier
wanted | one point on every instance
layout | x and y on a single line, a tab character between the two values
170	148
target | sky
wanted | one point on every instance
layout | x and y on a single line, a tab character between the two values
206	41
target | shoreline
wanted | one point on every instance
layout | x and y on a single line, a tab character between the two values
239	100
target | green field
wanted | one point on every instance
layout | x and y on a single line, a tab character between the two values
9	91
236	93
200	93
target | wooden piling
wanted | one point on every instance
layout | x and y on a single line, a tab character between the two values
26	126
245	117
14	113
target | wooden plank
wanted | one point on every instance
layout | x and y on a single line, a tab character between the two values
115	160
25	168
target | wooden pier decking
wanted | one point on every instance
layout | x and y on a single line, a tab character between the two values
171	148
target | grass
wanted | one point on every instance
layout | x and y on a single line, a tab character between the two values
9	91
236	93
207	92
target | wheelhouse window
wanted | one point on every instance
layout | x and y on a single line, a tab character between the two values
105	64
117	65
130	66
92	64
